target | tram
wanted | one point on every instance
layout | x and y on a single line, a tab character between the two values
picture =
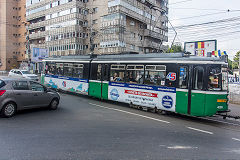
189	85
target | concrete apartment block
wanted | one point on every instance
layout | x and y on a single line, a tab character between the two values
70	27
12	33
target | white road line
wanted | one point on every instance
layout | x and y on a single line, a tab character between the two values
139	115
195	129
220	121
236	139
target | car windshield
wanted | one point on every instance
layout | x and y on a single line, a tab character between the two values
2	83
25	72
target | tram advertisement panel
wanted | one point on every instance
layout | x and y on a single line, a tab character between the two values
67	83
163	98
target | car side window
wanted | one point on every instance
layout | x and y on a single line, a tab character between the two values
18	72
20	85
36	87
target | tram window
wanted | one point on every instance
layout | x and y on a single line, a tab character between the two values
117	73
214	82
77	70
183	77
99	72
68	69
155	75
135	74
50	68
224	79
198	78
59	69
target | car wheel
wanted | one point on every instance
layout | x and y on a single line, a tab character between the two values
54	104
9	110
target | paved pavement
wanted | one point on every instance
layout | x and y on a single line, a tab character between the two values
86	128
235	109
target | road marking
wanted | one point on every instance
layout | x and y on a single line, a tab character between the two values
236	139
181	147
139	115
195	129
220	121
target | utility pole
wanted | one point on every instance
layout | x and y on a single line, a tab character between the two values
28	50
91	33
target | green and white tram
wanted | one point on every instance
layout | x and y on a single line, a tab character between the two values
189	85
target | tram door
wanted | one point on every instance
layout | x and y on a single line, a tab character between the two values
183	90
196	98
104	81
98	86
190	97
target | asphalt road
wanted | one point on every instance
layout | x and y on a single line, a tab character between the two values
85	128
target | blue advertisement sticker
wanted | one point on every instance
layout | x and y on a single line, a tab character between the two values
114	94
167	102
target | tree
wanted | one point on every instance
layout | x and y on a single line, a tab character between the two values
230	64
236	60
175	49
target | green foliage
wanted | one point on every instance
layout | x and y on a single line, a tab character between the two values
230	64
235	64
175	49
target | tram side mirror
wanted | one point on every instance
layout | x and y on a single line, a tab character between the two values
224	58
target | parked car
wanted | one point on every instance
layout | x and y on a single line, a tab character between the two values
22	74
21	93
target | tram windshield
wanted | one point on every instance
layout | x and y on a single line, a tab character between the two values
214	79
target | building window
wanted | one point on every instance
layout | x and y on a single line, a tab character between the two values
94	21
95	10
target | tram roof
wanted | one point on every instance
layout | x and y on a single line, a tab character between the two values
142	58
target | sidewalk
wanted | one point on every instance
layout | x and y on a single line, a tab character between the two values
235	109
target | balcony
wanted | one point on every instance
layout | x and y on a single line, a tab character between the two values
150	44
148	33
128	12
37	35
37	25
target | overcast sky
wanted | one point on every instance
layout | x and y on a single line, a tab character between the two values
187	12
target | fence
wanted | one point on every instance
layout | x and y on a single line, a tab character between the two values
3	73
233	79
234	93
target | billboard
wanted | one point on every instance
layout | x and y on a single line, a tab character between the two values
200	48
38	54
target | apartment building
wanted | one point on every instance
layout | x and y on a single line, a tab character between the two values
12	33
72	27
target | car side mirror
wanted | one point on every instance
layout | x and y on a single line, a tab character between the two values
46	90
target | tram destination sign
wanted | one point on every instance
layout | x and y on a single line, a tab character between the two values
201	48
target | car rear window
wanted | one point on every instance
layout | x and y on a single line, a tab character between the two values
2	83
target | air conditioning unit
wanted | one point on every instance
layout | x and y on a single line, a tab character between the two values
132	23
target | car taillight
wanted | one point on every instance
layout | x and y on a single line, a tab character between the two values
2	92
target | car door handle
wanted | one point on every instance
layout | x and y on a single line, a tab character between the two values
18	94
35	95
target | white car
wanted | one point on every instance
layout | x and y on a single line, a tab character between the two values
22	74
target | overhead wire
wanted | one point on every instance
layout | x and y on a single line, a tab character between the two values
180	2
203	15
